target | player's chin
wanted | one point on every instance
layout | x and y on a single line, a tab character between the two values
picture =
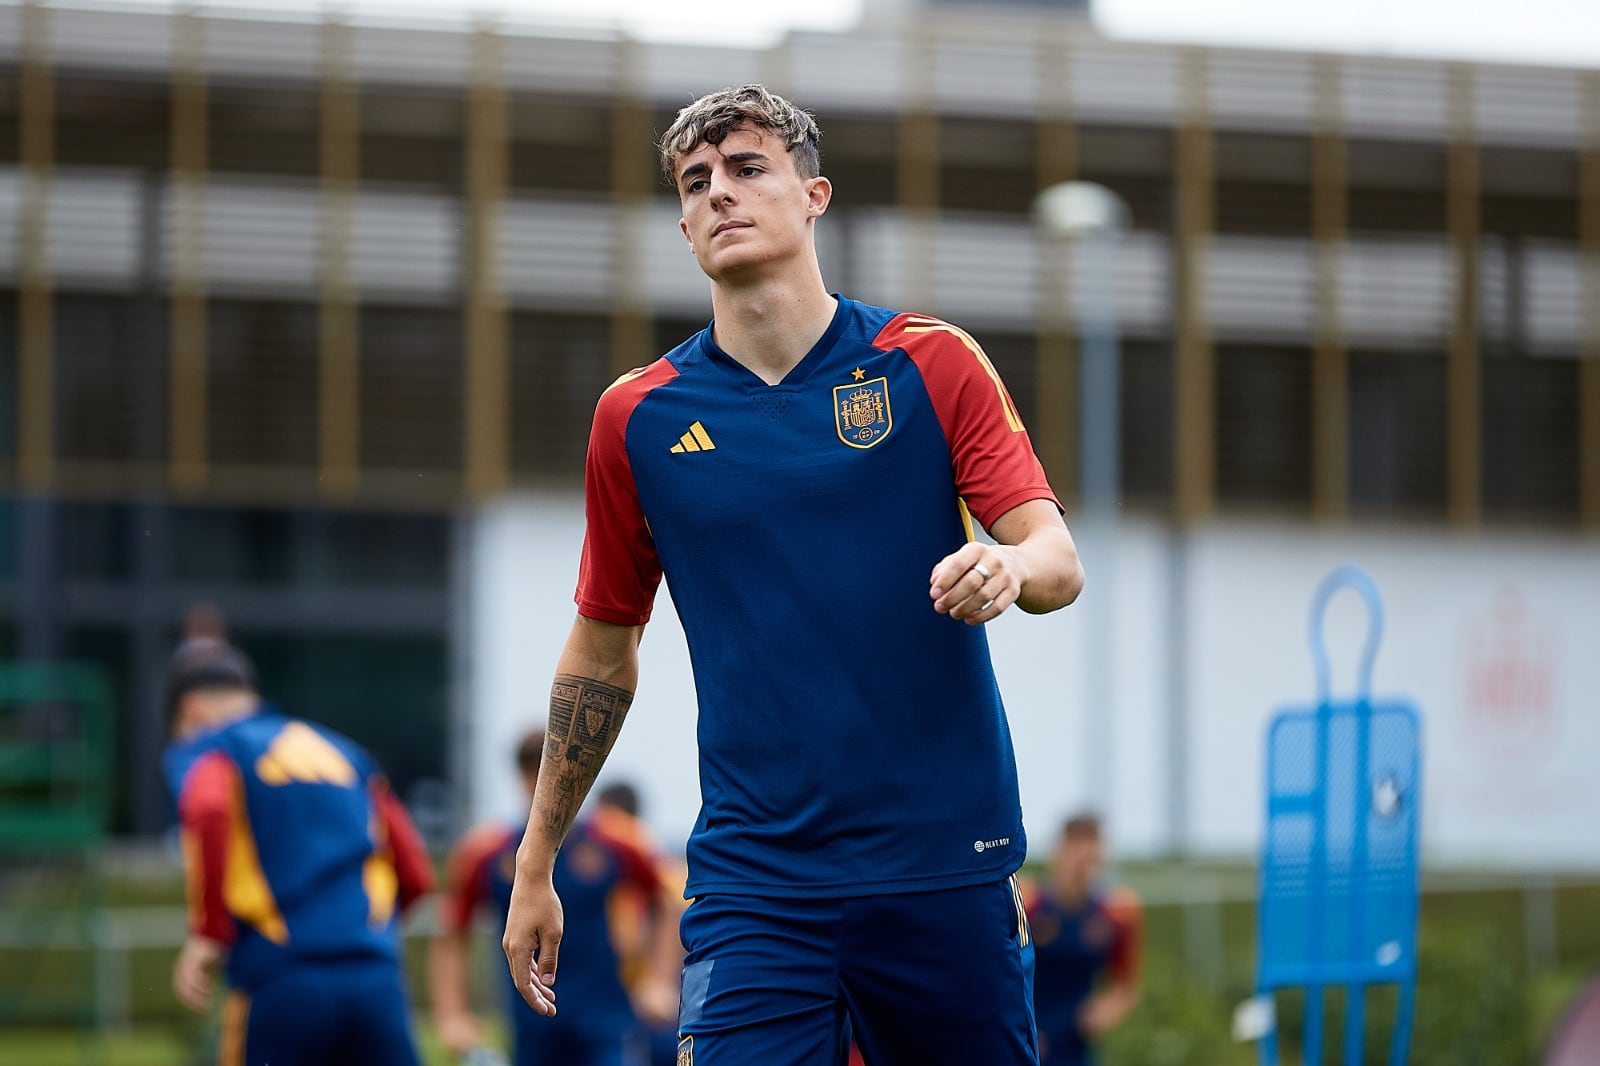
744	262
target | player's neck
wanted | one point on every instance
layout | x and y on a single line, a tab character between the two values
211	712
1071	895
768	326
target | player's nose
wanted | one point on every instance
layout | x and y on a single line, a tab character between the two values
721	188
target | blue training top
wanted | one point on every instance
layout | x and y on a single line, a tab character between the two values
309	874
852	740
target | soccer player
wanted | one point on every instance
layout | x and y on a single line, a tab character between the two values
1086	942
598	866
299	862
805	472
636	922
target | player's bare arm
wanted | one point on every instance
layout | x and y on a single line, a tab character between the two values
1033	564
593	689
448	985
585	716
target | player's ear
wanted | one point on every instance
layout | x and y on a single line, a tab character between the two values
182	721
819	192
683	227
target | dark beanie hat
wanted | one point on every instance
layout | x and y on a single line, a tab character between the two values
206	662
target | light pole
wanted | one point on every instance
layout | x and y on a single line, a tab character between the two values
1092	218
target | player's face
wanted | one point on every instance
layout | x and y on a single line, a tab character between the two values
1078	862
746	209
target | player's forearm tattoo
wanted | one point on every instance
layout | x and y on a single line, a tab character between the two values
585	716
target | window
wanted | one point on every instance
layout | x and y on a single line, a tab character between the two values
224	545
95	541
377	550
1263	425
260	128
263	384
1397	432
1146	422
111	373
559	366
1530	437
412	382
8	378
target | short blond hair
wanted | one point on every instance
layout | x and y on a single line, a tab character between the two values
712	117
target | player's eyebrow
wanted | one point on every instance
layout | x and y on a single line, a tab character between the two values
695	170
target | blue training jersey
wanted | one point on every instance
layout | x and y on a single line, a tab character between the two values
851	739
307	869
592	869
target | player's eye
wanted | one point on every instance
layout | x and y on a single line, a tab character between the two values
749	170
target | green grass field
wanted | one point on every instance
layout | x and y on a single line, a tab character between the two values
1490	987
147	1046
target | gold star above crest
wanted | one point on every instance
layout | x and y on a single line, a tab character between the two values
858	373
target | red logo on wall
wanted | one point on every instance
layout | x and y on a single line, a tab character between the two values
1510	700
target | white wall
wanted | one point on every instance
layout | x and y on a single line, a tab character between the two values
1495	635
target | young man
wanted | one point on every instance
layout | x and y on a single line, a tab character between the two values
299	862
1081	934
597	868
803	472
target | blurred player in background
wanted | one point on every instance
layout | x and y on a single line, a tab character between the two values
617	911
1086	942
299	862
635	921
805	472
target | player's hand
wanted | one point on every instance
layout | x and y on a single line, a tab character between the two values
533	937
195	972
459	1033
1101	1014
655	1001
976	582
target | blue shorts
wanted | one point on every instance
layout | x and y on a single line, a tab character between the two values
345	1013
921	979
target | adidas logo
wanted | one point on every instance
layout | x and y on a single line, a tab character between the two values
696	440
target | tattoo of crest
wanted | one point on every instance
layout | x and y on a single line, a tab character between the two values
585	716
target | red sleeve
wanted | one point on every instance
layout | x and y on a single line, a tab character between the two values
205	819
467	876
620	570
994	464
1127	918
413	869
635	856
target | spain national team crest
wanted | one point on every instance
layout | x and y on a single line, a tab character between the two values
861	412
686	1051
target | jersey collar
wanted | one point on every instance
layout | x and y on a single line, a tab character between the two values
801	370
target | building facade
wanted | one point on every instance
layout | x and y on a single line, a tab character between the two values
284	302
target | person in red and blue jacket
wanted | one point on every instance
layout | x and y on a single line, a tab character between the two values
299	861
622	953
1086	947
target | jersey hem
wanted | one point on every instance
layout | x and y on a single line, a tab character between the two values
853	889
1017	499
613	617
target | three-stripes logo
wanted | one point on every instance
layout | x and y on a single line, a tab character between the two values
696	440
